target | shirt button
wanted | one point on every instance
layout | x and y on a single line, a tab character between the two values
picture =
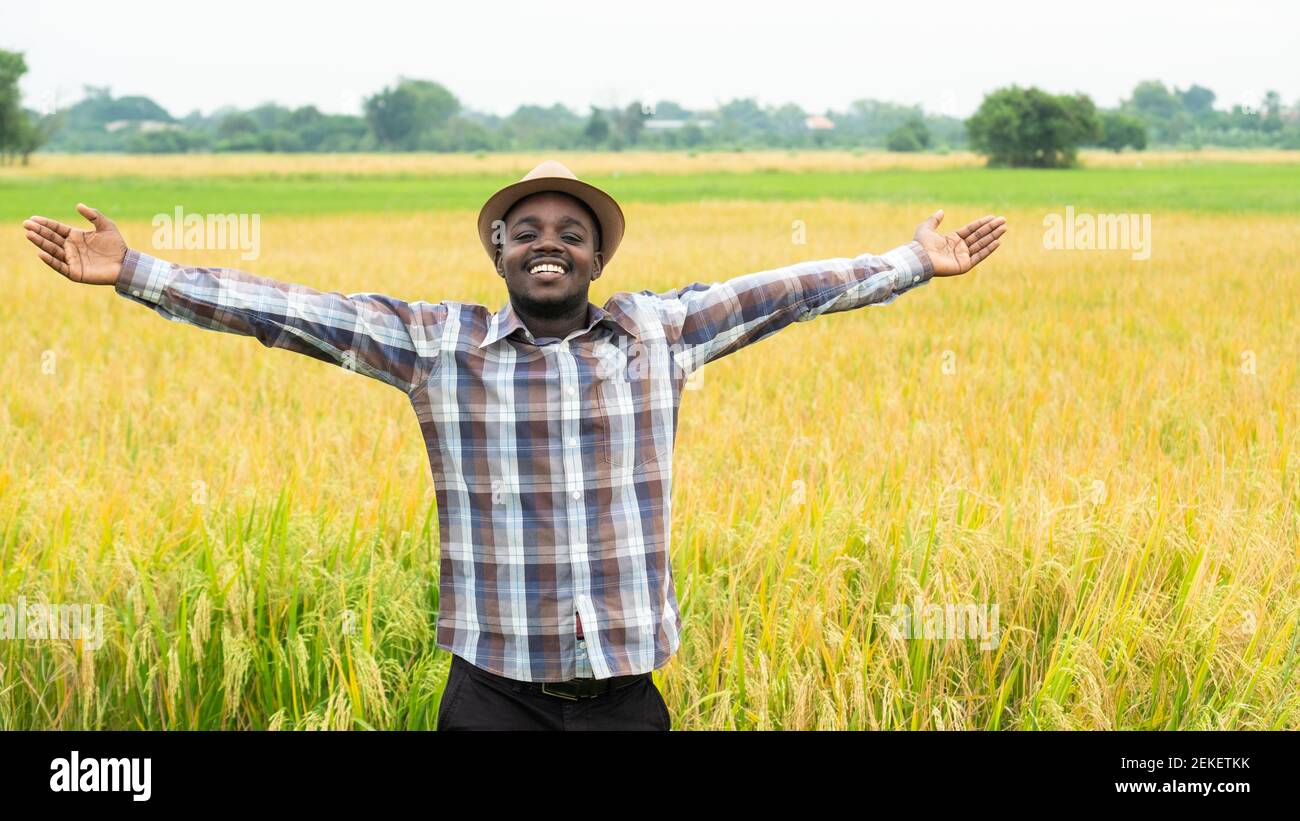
916	278
577	495
573	442
570	390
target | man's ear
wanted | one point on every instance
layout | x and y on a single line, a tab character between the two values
597	266
501	271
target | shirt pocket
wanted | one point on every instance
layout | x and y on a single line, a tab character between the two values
628	428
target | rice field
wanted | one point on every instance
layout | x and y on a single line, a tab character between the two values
1099	447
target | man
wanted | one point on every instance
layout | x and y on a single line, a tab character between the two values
549	425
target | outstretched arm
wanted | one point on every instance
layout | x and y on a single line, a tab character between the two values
723	317
380	336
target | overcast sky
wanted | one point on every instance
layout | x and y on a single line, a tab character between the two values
497	55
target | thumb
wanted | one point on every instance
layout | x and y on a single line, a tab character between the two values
101	222
933	222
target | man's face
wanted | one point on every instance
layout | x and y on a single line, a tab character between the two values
543	232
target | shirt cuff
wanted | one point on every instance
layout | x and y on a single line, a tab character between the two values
143	277
911	264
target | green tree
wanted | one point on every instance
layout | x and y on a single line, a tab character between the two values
533	127
742	120
22	131
33	132
12	117
1120	131
788	127
691	136
240	132
1197	100
1027	127
911	135
669	110
596	131
401	116
1164	111
467	135
1152	99
237	125
165	142
629	122
1272	106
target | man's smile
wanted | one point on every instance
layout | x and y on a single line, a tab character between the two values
547	269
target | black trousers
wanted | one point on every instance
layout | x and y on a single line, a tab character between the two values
475	699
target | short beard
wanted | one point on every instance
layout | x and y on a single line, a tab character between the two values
550	309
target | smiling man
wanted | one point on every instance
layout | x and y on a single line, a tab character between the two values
549	425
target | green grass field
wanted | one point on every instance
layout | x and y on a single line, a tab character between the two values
1219	188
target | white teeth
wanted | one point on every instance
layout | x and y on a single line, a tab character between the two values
547	268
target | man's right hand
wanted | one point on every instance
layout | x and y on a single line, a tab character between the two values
93	257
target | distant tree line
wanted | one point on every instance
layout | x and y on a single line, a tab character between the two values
1014	126
1028	127
420	115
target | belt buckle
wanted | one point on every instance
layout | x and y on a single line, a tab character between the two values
546	685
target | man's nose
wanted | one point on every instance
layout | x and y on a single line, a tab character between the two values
547	243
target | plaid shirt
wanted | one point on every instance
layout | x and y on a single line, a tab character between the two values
552	463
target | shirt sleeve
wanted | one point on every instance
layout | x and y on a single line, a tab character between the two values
379	336
720	318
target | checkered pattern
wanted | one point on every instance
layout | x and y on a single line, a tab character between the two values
552	463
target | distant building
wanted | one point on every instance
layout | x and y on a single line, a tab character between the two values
145	126
818	123
670	125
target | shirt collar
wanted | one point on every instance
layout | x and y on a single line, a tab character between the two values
505	322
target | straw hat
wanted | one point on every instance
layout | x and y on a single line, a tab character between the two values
554	176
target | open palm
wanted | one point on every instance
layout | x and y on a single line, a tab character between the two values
93	257
963	249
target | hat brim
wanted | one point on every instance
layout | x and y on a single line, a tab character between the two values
602	205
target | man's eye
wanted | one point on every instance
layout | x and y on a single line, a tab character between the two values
573	237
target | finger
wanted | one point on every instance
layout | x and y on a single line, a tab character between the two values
970	228
989	228
101	222
991	235
50	234
982	232
986	240
984	252
58	265
975	226
54	225
933	222
45	245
